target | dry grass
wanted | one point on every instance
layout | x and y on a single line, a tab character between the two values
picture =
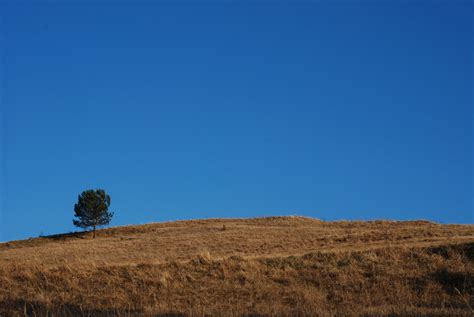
278	266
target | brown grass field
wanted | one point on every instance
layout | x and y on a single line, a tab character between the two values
276	266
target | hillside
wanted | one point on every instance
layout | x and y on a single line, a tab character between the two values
283	266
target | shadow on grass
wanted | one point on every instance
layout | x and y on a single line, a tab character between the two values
28	308
467	249
454	282
66	236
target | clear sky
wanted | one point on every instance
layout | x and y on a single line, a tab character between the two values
330	109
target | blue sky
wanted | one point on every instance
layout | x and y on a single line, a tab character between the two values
335	110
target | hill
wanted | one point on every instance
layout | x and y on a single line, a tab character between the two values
276	266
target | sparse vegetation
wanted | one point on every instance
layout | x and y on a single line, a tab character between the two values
279	266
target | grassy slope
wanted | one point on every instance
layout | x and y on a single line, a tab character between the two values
262	266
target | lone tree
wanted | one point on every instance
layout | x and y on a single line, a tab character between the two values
92	209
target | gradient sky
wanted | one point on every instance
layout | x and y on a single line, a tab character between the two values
335	110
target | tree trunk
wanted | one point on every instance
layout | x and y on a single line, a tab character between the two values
93	233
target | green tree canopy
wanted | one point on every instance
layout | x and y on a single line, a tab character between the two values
92	209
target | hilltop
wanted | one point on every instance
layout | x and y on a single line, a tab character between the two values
232	267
